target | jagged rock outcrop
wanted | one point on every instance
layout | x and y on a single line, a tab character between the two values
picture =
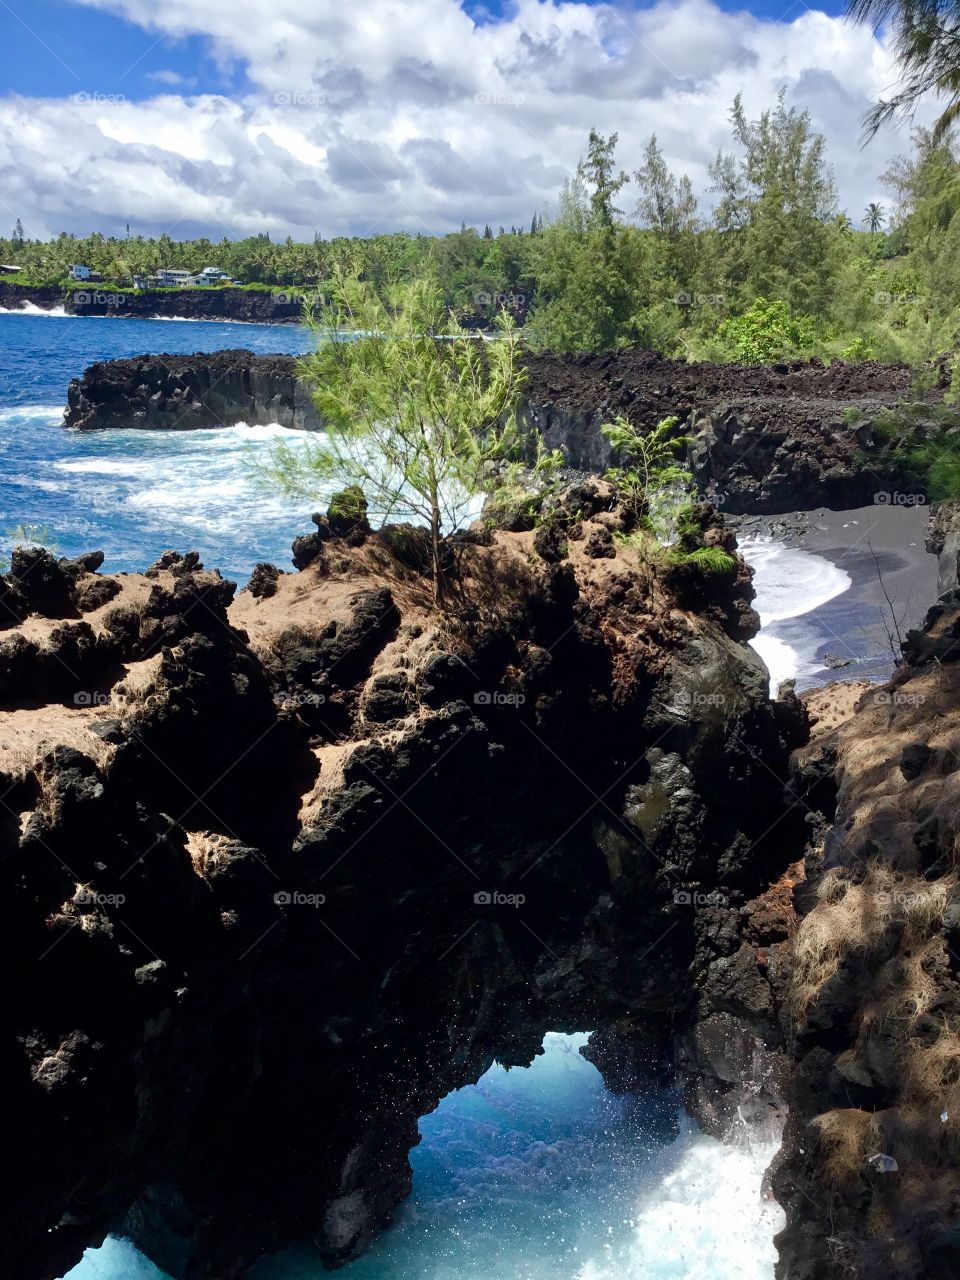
760	439
276	883
178	393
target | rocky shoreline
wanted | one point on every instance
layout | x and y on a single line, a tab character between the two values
282	304
245	306
266	915
760	440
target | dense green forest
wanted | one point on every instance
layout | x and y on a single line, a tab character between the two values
773	269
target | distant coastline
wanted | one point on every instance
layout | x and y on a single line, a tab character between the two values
241	304
254	306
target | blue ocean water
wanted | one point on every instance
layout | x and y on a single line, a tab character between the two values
540	1173
134	493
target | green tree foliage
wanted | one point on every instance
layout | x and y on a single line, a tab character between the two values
585	292
767	331
414	410
927	49
655	489
776	197
648	460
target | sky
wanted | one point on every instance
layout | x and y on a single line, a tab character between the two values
353	117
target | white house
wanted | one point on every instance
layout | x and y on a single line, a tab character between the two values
173	276
79	272
212	275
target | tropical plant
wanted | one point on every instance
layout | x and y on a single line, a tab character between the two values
414	410
873	216
650	482
28	535
767	331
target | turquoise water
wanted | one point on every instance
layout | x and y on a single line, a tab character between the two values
134	493
540	1173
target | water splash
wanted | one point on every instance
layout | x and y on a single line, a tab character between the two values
540	1173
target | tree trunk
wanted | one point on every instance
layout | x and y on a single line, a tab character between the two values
436	548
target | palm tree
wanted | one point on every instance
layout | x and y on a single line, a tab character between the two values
927	48
874	216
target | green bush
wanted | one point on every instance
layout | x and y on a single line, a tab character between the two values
767	331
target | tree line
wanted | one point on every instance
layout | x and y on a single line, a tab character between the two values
772	269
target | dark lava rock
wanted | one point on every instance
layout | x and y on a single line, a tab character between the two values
41	582
263	580
95	593
550	542
599	544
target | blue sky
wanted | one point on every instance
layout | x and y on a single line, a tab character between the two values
53	48
288	116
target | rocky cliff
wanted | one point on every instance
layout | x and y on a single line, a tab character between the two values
868	1174
251	306
275	883
178	393
761	439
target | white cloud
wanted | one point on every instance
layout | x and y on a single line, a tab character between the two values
401	114
166	76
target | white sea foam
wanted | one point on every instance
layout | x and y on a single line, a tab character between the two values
708	1219
31	309
33	413
541	1174
790	584
100	466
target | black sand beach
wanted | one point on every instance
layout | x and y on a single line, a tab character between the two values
855	635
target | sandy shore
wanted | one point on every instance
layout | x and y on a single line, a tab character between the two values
855	635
